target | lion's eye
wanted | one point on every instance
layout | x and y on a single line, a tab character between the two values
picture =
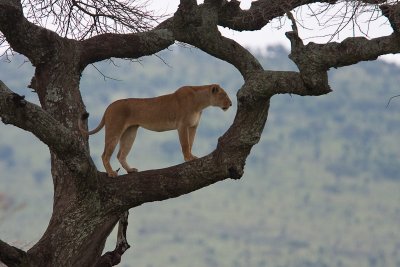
214	90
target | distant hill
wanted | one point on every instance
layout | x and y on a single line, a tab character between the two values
320	189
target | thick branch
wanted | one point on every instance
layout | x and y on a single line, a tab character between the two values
265	84
11	256
313	74
35	42
198	27
348	52
134	189
14	109
125	45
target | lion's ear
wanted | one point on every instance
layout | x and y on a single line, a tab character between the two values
215	89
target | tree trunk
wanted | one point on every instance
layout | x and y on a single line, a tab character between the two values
79	225
88	204
76	234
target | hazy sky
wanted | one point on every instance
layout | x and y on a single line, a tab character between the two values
274	33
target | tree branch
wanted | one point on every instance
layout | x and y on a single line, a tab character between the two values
265	84
314	60
15	110
112	258
35	42
198	27
392	12
259	14
11	256
133	45
134	189
263	11
348	52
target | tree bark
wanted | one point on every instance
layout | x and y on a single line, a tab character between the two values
88	204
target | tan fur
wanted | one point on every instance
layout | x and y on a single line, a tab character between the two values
180	110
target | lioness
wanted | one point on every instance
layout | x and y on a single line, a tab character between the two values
180	110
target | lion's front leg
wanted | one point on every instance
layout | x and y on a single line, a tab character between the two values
185	143
192	134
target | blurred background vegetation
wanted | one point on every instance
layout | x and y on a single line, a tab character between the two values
322	188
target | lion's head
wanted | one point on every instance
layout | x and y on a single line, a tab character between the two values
219	98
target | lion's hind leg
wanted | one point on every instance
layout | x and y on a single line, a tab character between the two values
112	136
125	145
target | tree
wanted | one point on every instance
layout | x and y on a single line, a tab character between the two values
88	204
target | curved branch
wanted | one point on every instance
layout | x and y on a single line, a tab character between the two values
35	42
15	110
197	26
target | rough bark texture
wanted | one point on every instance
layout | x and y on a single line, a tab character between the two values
88	204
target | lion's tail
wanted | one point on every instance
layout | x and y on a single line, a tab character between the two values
82	129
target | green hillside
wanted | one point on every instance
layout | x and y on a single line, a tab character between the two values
322	188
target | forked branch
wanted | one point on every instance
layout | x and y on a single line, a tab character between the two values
11	256
15	110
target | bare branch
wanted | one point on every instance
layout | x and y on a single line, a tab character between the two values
390	99
122	242
260	13
82	19
334	19
102	74
112	258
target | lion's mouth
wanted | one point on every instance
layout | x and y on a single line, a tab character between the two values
225	108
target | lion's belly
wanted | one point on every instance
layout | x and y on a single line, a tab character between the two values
159	126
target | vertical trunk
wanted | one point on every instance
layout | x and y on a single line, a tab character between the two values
79	226
76	233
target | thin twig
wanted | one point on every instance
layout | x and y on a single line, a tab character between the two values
390	99
105	76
